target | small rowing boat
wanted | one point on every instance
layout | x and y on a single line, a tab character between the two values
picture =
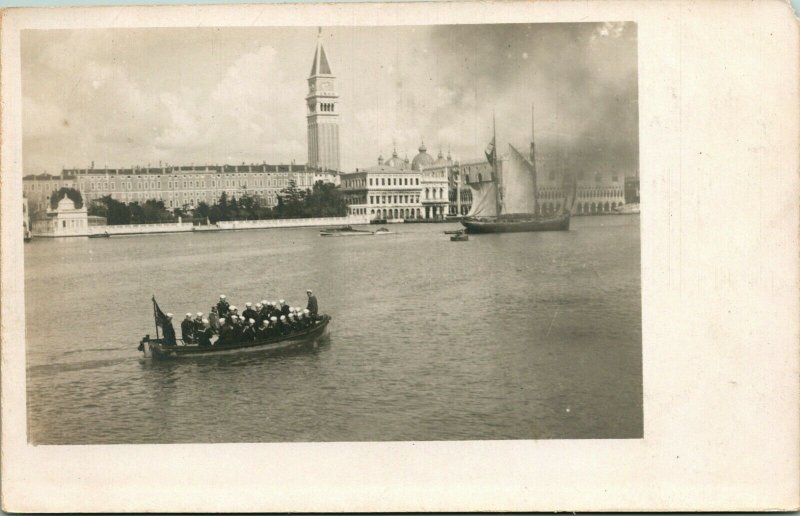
100	235
155	349
347	231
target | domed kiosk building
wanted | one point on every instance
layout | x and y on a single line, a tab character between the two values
396	189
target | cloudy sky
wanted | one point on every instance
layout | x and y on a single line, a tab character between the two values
123	97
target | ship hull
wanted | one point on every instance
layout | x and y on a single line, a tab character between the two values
517	224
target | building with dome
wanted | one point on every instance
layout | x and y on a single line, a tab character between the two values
66	220
434	183
396	189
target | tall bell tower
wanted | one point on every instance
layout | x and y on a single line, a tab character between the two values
323	113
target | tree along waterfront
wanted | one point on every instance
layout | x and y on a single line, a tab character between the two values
323	200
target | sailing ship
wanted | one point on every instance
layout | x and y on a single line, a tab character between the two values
508	201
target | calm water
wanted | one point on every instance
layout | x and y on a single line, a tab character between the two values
515	336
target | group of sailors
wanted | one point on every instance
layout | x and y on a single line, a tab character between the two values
261	321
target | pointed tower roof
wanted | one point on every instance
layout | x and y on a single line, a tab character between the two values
320	65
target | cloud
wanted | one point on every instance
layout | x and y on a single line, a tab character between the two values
232	95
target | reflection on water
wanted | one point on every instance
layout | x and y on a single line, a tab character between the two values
515	336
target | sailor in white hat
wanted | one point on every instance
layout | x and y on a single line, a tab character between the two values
205	334
249	313
283	307
187	329
222	306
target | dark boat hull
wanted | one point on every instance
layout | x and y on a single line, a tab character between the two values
517	224
154	348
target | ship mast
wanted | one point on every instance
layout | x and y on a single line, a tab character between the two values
533	162
498	185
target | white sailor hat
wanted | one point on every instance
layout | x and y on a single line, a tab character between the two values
222	320
169	316
205	321
283	318
263	302
306	311
234	308
222	296
251	321
234	317
281	301
248	304
309	291
273	319
199	314
188	315
301	314
259	305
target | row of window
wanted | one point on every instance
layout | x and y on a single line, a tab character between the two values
153	185
394	199
402	181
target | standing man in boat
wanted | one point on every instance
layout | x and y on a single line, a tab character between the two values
222	306
313	307
187	329
169	331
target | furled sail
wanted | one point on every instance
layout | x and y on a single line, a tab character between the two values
519	184
484	199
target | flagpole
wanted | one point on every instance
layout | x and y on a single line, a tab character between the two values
155	315
533	162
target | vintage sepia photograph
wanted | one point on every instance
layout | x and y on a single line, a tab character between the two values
392	257
280	234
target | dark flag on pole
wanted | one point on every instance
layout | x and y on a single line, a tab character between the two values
490	152
159	316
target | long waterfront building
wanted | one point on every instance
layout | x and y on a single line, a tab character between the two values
177	187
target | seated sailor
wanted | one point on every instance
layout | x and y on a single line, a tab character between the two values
284	308
169	331
249	330
213	319
236	323
249	313
258	317
225	331
222	306
187	329
273	330
264	312
262	330
283	325
198	324
204	338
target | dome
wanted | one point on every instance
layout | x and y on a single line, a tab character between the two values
396	162
423	159
66	203
440	159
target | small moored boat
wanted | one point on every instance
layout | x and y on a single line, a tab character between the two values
459	237
100	235
346	231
